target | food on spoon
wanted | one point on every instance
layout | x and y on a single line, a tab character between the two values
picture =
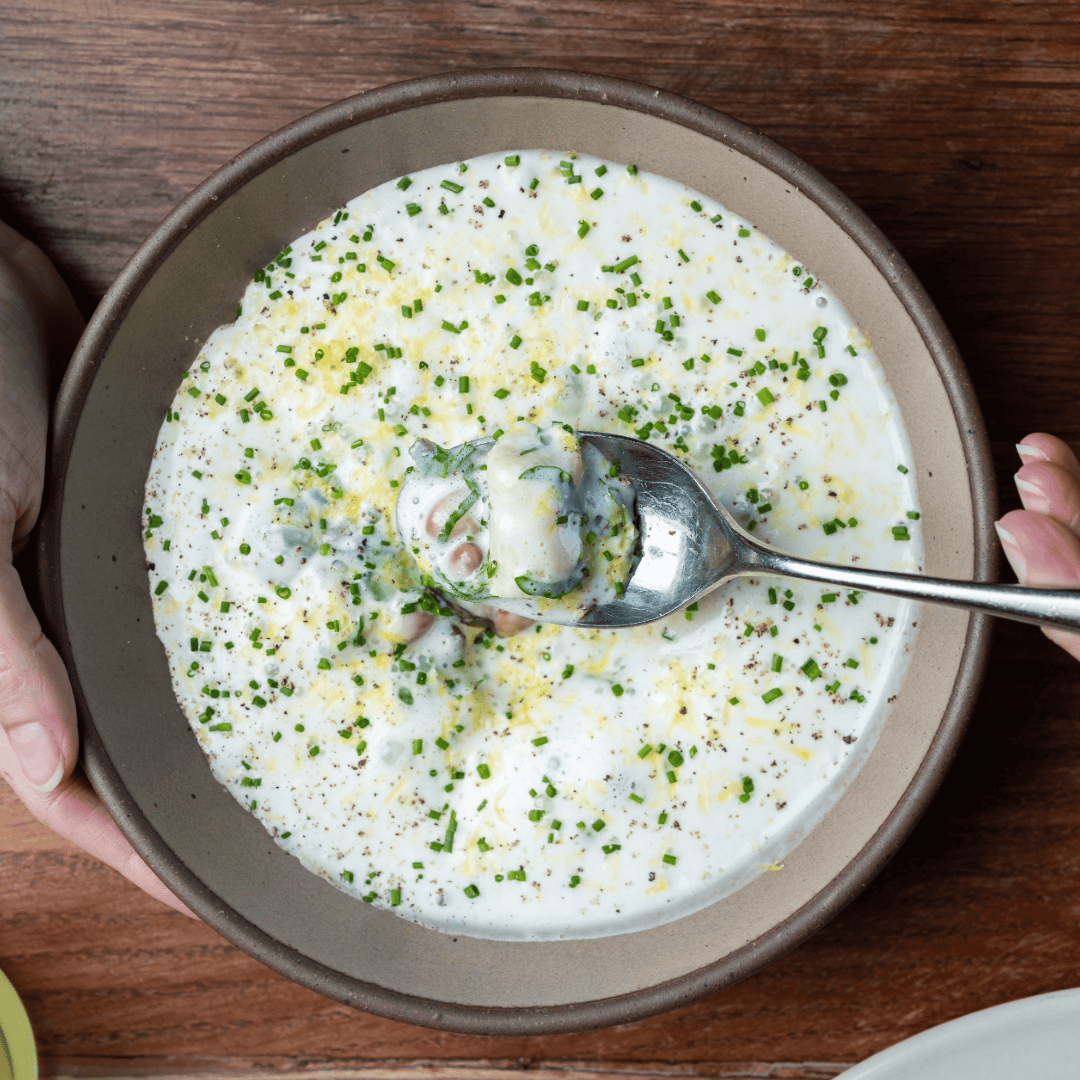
535	515
561	781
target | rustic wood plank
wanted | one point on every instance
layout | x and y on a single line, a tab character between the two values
953	124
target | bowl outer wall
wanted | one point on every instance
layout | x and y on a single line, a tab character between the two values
138	748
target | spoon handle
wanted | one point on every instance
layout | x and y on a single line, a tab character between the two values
1043	607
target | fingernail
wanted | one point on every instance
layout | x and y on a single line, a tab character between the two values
40	757
1032	496
1029	453
1012	553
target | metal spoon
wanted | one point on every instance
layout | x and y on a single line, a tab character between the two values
690	545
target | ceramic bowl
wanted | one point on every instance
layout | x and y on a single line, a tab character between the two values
138	748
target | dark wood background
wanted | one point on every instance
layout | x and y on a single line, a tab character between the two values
954	124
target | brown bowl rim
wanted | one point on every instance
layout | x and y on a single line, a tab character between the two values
526	82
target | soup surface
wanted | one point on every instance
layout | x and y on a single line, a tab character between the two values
543	781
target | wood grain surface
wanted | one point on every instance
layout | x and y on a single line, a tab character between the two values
956	126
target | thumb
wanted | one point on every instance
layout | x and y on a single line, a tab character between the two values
37	708
41	747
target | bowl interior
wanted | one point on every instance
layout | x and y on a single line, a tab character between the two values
141	752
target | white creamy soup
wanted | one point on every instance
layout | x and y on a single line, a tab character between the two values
517	780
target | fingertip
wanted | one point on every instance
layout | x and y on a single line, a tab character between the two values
39	755
1030	451
54	781
1041	550
1049	488
1031	493
1040	446
1013	552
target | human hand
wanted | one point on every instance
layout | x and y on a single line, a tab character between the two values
39	739
1042	541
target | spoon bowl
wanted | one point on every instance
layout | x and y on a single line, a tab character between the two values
689	545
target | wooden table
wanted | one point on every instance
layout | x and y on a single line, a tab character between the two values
954	124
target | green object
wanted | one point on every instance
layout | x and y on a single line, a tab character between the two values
18	1054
